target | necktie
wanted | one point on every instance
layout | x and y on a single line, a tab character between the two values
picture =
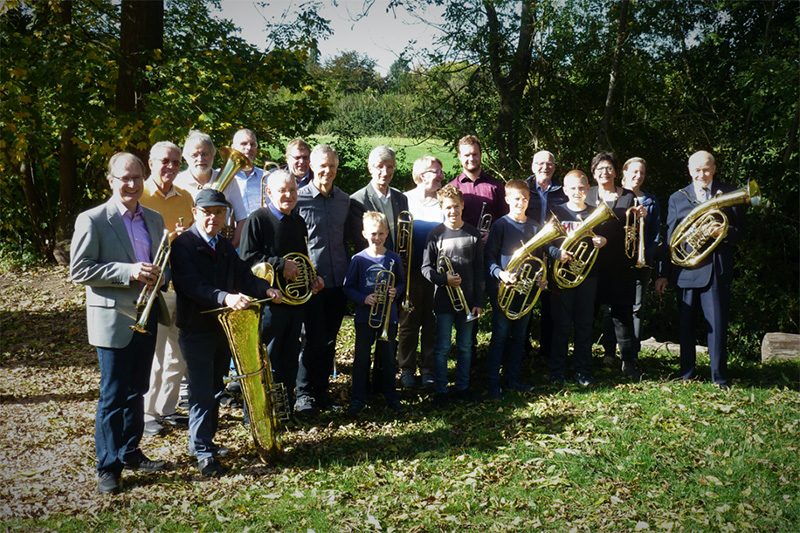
706	194
213	242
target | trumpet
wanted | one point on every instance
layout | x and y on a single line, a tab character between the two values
405	231
706	225
517	299
380	313
272	166
484	221
634	235
456	294
149	293
572	273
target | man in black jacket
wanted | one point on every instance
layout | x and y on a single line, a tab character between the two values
208	274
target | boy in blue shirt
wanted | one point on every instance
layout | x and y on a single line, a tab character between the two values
461	244
359	286
506	236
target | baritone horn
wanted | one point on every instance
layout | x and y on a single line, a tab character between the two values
706	225
456	294
381	311
634	235
149	293
267	402
572	273
517	299
405	232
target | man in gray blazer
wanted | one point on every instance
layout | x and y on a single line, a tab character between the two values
378	196
112	252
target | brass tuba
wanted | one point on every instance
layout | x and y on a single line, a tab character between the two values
266	401
405	232
634	235
149	293
518	299
456	294
572	273
234	162
380	313
706	225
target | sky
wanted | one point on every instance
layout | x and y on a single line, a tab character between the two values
380	35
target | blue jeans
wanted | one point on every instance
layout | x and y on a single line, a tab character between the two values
208	357
124	380
508	337
444	328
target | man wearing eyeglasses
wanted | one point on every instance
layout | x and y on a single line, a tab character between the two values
169	368
112	252
298	161
248	179
546	193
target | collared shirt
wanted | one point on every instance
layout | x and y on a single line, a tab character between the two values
543	200
485	189
250	188
305	180
177	203
326	220
275	211
187	182
211	241
384	198
703	193
137	230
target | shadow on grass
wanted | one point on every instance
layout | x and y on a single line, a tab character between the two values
46	339
86	396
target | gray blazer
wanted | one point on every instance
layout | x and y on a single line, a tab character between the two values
102	257
367	199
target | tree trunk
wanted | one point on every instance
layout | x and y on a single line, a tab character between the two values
36	212
612	79
141	32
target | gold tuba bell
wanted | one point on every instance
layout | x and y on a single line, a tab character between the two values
572	273
518	299
266	401
405	232
706	225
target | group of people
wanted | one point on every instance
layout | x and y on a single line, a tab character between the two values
464	235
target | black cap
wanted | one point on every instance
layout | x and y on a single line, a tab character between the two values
210	198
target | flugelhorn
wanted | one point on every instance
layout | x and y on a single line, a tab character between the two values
634	235
381	311
484	221
572	273
405	232
706	225
517	299
149	293
456	294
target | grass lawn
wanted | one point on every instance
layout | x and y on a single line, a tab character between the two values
654	455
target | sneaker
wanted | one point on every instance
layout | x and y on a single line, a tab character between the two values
440	400
108	483
304	406
153	428
466	395
427	381
139	461
631	369
584	380
408	380
209	467
356	406
557	380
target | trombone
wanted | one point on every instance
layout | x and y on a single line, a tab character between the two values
456	294
380	313
405	231
634	235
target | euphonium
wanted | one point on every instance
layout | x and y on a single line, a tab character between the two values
517	299
634	235
484	221
149	293
266	402
706	225
405	231
380	313
456	294
273	166
572	273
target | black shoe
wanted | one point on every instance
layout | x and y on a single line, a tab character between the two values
153	428
108	483
631	369
557	380
440	400
356	407
138	461
584	380
466	395
175	419
209	467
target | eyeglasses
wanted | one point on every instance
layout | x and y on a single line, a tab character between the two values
165	162
608	169
544	164
218	212
301	157
129	181
434	171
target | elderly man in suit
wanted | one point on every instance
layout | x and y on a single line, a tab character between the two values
379	196
112	252
706	286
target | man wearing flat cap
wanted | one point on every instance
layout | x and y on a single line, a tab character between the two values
208	274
